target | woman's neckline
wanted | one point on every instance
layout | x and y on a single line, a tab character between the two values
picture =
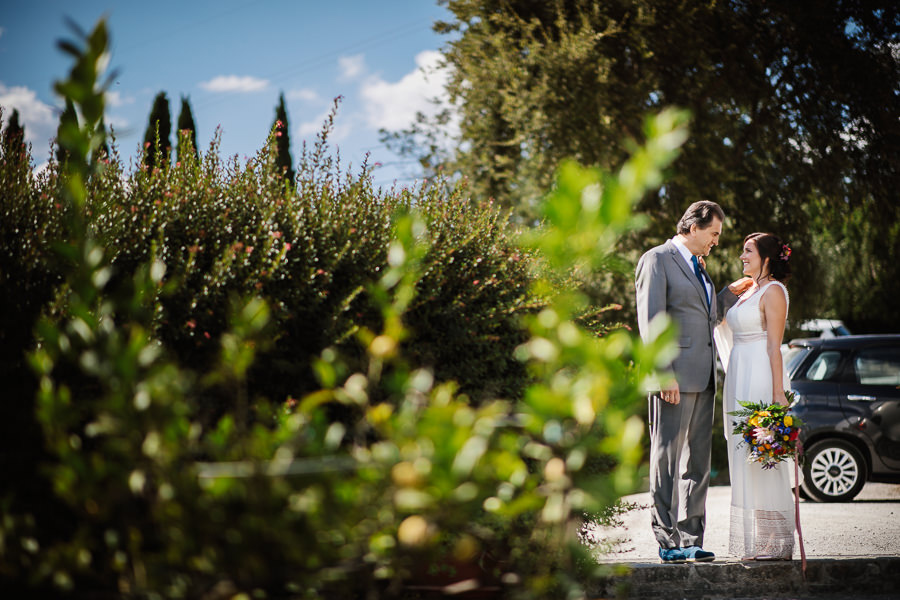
758	289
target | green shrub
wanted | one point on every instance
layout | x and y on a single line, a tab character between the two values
225	229
474	289
285	501
30	219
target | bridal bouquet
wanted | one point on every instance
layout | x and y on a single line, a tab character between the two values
770	432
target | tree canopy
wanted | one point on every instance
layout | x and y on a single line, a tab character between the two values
187	131
159	130
103	132
795	124
67	119
283	141
14	134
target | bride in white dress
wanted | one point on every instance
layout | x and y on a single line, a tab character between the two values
762	511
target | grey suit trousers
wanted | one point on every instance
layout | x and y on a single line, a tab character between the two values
681	438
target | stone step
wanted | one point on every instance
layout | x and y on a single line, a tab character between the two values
877	577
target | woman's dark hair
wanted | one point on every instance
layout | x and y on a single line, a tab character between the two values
700	214
773	248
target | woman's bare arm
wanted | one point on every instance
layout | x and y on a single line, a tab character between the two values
774	307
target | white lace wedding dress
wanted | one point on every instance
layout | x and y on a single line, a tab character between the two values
762	508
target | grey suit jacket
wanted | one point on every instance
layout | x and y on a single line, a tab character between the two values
664	282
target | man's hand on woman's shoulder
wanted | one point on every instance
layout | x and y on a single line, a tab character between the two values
740	286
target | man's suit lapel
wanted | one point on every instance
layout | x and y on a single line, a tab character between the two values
689	273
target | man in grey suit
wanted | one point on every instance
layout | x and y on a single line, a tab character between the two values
671	279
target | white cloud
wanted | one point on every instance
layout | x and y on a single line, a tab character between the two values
38	118
115	99
352	66
234	83
2	30
342	128
116	122
304	94
393	106
314	125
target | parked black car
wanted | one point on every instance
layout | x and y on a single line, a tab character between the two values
848	395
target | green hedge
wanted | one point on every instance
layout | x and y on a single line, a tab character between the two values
311	250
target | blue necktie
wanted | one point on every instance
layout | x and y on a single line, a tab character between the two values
699	275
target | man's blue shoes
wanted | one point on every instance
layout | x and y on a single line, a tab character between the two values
677	556
698	554
672	556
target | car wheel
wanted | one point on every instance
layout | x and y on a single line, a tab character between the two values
835	471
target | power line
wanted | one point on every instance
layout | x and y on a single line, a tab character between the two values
325	59
190	25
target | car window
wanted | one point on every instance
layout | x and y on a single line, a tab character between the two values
825	366
793	357
878	366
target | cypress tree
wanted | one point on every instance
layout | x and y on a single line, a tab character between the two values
187	133
14	135
67	120
283	160
103	151
161	121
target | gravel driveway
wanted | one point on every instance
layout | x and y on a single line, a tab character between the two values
869	526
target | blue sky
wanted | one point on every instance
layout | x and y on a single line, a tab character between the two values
232	58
